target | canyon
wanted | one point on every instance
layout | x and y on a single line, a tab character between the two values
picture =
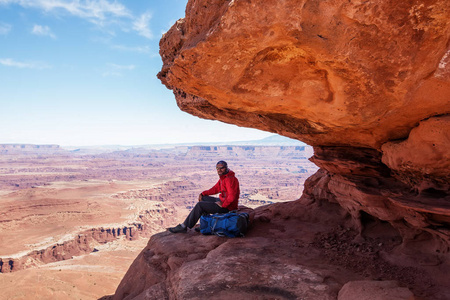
367	84
73	220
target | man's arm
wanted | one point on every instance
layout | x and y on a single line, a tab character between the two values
212	191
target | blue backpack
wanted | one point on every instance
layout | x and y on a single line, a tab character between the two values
231	224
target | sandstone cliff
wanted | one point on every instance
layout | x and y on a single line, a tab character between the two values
367	83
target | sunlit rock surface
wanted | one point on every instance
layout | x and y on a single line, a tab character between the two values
367	83
357	73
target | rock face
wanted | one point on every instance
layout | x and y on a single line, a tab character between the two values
382	290
357	73
76	245
422	160
367	83
302	249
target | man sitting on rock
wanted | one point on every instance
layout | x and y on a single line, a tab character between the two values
227	186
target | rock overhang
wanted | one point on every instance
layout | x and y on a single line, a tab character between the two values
367	83
327	73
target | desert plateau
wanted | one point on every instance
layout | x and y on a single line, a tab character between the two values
359	212
73	221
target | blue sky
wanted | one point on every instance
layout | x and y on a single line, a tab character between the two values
79	73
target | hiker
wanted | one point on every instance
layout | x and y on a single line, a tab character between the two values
227	186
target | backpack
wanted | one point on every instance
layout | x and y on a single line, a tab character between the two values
232	224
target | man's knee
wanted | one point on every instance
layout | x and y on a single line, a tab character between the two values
207	198
198	206
201	205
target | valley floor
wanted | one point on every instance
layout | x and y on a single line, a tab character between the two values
71	225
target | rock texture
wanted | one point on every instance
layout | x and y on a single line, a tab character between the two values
370	290
367	83
77	245
302	249
423	159
357	73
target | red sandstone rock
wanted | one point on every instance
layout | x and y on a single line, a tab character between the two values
423	160
374	290
357	73
366	82
295	250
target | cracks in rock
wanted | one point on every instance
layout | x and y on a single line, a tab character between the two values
290	124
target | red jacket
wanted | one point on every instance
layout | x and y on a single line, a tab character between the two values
228	187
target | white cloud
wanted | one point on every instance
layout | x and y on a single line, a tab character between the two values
43	30
142	26
99	12
95	11
8	62
4	28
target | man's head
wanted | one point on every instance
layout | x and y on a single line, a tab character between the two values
222	168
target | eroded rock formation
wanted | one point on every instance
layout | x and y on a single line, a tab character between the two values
367	83
357	73
79	244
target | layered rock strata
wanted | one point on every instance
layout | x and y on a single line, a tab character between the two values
82	243
367	83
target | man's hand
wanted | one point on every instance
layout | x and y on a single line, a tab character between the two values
200	197
219	203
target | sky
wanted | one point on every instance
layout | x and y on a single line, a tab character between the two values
83	73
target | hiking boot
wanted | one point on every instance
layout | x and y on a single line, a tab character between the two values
178	229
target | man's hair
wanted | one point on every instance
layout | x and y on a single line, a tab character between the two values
223	163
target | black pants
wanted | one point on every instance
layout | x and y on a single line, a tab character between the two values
206	206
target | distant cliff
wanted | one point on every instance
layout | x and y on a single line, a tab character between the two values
28	148
79	244
292	152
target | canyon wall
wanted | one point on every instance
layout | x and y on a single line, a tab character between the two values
367	83
84	242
